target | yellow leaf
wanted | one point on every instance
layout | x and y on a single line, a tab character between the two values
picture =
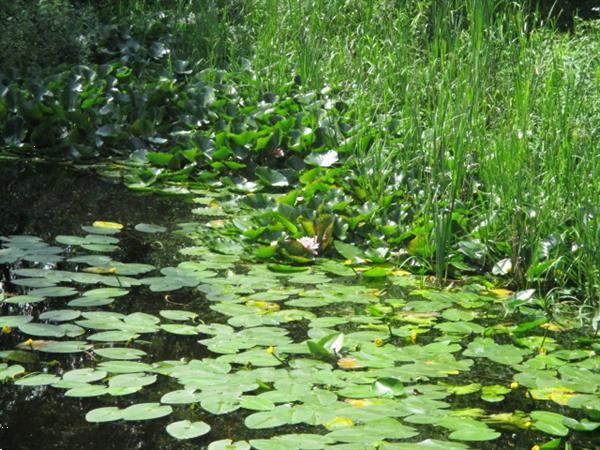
553	327
101	223
100	270
557	394
38	344
349	363
501	292
264	305
338	422
400	273
358	402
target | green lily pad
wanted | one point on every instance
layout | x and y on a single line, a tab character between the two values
106	414
146	411
120	353
185	429
150	228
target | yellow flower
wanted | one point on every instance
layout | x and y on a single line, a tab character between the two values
28	342
6	329
379	342
271	350
514	385
535	447
542	350
413	336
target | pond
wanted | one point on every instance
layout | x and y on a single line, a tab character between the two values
130	322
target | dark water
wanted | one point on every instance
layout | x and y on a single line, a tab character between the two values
46	200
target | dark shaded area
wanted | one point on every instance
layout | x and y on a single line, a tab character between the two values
46	200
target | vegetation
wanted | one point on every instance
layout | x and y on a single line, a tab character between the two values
333	141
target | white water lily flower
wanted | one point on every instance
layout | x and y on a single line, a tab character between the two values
310	243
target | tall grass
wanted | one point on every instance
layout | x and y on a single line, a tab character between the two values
498	114
487	112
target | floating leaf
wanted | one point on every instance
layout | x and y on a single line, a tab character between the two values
187	430
150	228
146	411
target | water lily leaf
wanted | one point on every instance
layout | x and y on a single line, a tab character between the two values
183	330
467	429
89	302
86	375
150	228
179	315
146	411
494	393
502	267
106	414
60	315
388	387
285	268
87	390
278	416
376	272
112	225
336	268
53	292
14	321
7	371
326	159
427	444
181	397
42	329
350	252
549	422
219	402
23	299
271	177
228	444
256	403
124	353
185	429
502	354
37	379
131	380
113	336
106	292
124	366
474	434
